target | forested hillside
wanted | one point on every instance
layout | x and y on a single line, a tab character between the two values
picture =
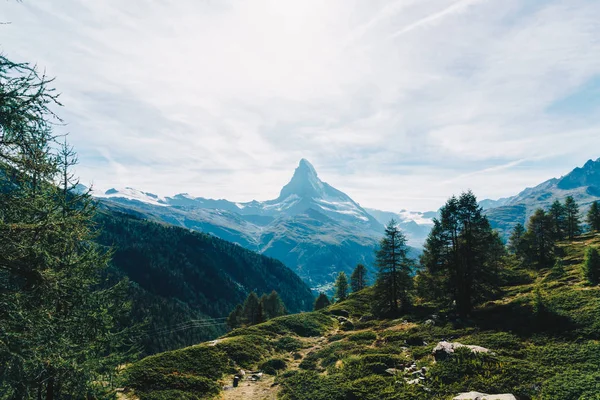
477	321
538	340
177	275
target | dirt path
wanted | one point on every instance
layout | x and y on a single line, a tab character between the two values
247	390
264	389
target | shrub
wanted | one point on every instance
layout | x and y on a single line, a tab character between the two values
288	343
572	384
366	336
179	369
244	350
271	366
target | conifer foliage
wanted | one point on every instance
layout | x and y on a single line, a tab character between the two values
58	334
358	279
462	256
321	302
394	281
341	287
256	310
593	217
573	222
540	239
591	265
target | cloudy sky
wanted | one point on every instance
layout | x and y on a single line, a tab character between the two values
398	103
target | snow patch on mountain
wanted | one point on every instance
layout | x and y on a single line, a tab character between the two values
132	194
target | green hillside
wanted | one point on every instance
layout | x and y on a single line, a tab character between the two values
177	275
542	335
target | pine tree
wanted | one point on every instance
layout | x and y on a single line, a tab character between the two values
234	320
591	265
321	302
272	306
540	239
58	329
358	279
517	243
341	287
558	214
593	217
572	216
462	256
391	291
252	313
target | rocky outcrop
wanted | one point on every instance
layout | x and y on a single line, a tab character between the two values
444	349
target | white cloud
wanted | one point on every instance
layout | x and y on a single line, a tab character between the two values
400	104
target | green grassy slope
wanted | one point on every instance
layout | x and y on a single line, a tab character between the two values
543	334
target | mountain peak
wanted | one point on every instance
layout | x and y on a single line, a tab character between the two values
588	175
304	183
304	163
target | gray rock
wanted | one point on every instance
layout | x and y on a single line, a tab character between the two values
392	371
445	349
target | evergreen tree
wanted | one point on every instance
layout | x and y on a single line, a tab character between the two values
593	217
462	256
341	287
272	306
572	217
234	320
252	310
321	302
358	279
591	265
540	239
58	329
517	244
558	214
391	291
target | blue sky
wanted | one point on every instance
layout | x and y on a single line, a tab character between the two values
398	103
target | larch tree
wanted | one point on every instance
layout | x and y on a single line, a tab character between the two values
558	214
572	217
462	257
272	305
591	265
252	310
394	281
341	287
540	239
234	320
358	279
517	243
321	302
593	217
59	322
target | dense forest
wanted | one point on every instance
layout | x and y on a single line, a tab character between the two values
177	275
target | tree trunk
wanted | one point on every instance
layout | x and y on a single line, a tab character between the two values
50	389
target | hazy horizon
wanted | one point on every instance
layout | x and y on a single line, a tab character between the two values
399	104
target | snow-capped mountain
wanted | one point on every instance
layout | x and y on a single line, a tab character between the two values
583	183
312	227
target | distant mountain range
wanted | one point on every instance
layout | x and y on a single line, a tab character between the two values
581	183
313	228
317	230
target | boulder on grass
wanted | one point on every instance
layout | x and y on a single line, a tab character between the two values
444	349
